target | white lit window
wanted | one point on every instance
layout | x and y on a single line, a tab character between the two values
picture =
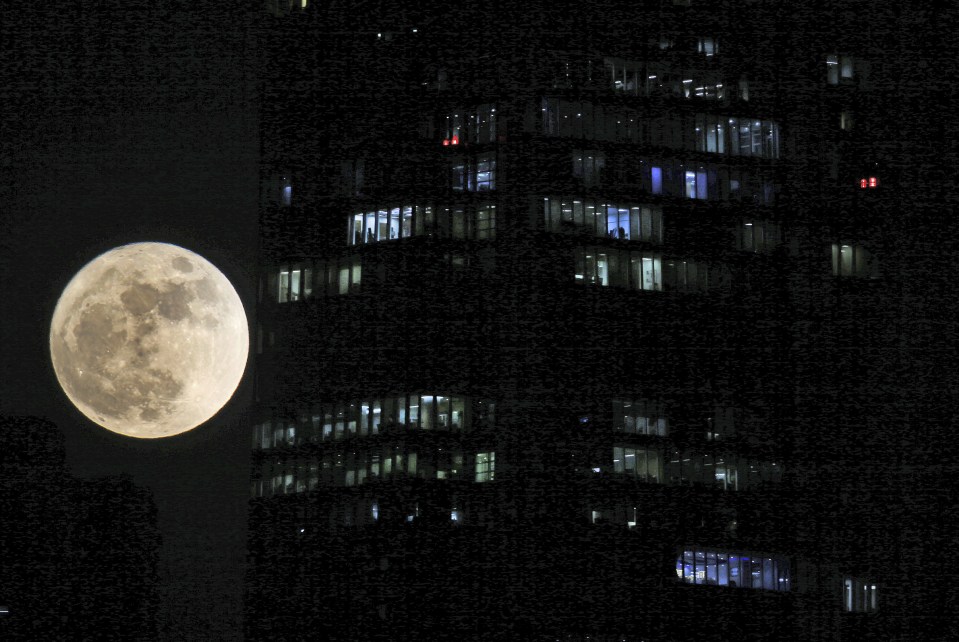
845	120
485	466
639	417
707	46
859	595
485	225
854	261
618	268
838	69
695	186
620	221
645	464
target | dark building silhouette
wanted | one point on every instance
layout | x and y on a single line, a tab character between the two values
79	556
603	321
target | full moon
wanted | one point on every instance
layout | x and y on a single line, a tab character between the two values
149	340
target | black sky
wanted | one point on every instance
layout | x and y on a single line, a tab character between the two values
121	122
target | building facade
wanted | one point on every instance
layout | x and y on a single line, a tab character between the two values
590	322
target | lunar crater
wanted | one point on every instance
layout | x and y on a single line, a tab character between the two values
137	328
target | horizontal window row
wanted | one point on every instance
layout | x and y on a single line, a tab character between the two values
644	271
625	221
476	125
355	468
737	569
710	133
365	511
736	136
641	223
334	421
639	417
676	178
307	279
728	472
646	417
648	79
390	223
710	182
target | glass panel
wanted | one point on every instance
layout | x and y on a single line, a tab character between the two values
442	412
427	411
344	279
619	458
356	230
414	415
459	419
657	180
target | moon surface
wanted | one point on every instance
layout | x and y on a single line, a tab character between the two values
149	340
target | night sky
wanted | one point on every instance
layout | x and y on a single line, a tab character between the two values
122	122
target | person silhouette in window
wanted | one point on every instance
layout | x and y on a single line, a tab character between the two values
369	235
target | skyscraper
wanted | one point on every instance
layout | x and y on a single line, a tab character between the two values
589	321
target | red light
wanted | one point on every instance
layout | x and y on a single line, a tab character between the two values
446	142
862	183
873	181
456	140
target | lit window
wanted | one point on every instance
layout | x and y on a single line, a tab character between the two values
639	417
485	179
869	182
485	466
838	68
656	175
286	191
696	184
845	120
645	464
736	136
735	569
707	46
620	221
759	236
859	595
485	226
853	261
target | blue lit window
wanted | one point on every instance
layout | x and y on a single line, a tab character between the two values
657	179
735	569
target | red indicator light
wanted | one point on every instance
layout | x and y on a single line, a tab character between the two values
456	140
862	183
873	181
446	142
